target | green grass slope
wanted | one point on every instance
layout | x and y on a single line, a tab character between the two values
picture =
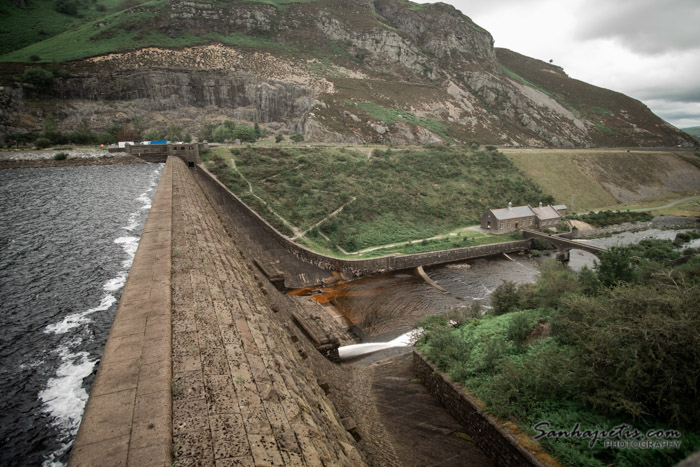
389	196
40	21
39	33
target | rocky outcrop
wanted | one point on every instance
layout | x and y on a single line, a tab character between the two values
351	71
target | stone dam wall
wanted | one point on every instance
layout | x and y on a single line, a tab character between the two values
232	206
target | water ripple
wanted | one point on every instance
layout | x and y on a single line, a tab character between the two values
68	236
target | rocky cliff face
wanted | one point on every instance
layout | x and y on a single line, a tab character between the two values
354	71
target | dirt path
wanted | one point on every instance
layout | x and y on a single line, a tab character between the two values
665	206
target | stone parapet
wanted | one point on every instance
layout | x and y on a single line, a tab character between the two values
488	435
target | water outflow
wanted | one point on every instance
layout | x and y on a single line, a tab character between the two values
350	352
69	236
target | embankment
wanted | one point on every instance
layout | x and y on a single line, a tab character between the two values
288	256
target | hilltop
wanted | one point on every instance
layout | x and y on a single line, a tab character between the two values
694	132
348	72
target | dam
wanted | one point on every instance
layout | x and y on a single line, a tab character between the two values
208	362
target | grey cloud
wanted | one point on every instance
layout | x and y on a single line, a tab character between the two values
644	26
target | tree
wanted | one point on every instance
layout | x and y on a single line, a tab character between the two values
505	298
206	133
127	133
139	126
256	127
297	138
152	135
245	133
614	266
221	133
174	133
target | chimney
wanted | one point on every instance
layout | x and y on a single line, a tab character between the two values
510	206
540	203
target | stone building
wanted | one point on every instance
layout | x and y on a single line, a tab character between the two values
547	216
504	220
508	219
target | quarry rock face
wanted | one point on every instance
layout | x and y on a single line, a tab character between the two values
353	71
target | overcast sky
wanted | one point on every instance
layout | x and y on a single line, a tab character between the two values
647	49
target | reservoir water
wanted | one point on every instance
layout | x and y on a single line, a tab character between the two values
68	238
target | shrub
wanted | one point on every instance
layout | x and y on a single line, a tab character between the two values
297	138
222	133
105	138
153	135
505	298
38	77
279	138
245	133
59	156
174	133
42	143
34	58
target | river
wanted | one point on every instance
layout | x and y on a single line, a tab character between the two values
68	238
385	307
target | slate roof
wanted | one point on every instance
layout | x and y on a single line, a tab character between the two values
546	213
515	213
560	207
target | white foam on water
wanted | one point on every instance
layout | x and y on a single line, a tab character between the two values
115	284
129	245
78	319
64	397
348	352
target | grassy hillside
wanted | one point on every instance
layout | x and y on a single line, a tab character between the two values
43	34
41	20
605	178
389	196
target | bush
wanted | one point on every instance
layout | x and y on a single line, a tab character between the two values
279	138
38	77
174	133
245	133
105	138
153	135
505	298
297	138
222	133
42	143
59	156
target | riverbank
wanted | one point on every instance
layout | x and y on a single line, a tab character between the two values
75	157
583	230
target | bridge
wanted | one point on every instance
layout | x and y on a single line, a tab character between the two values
563	245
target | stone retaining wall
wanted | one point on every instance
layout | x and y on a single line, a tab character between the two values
495	441
221	196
